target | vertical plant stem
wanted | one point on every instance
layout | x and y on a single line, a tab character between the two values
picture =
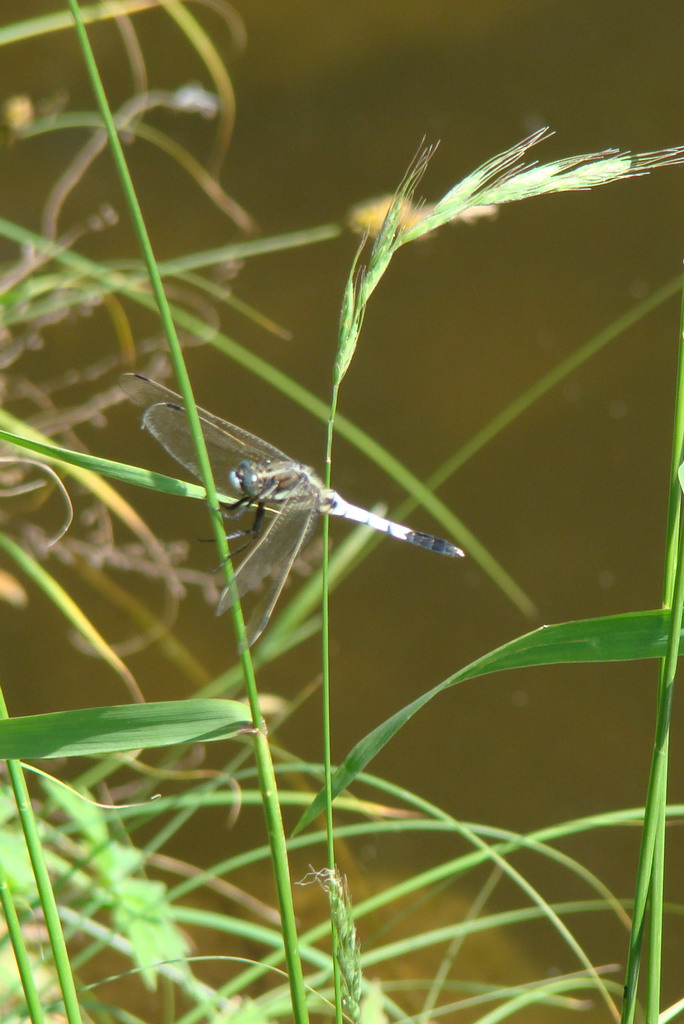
650	871
262	753
326	715
361	284
20	952
45	892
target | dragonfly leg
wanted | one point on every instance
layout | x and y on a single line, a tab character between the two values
250	534
235	508
253	531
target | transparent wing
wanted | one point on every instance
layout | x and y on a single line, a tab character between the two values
168	423
273	553
276	548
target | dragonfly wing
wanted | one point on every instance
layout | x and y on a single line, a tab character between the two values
220	434
169	425
278	545
273	554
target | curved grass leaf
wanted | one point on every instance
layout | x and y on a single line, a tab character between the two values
105	730
626	637
117	470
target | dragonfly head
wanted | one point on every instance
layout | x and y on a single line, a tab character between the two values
246	477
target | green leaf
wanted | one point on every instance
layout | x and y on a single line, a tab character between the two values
626	637
121	727
117	470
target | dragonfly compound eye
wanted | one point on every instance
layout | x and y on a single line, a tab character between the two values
245	478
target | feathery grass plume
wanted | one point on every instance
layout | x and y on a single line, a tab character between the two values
502	179
506	179
362	282
348	950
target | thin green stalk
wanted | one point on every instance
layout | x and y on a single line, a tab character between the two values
153	274
264	763
650	868
325	703
45	892
653	817
21	956
675	494
655	931
361	284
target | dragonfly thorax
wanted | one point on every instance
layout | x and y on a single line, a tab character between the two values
278	482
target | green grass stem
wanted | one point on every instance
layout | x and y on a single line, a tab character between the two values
261	747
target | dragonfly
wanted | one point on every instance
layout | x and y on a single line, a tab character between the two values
258	477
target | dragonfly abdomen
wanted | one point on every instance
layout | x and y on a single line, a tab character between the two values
337	506
437	544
